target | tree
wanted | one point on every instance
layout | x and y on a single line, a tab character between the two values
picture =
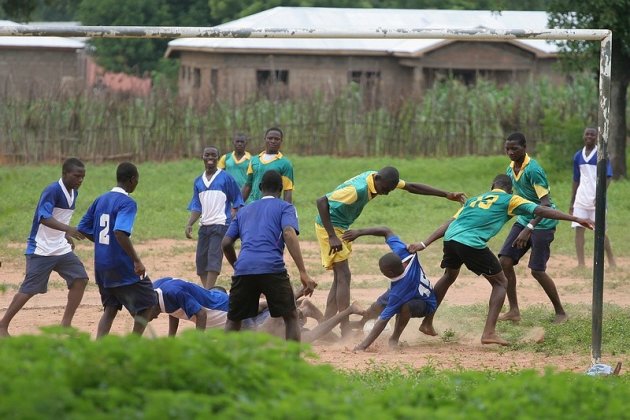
608	14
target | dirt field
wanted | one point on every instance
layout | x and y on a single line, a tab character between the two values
176	258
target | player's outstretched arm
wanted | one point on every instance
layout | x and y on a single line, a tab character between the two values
423	189
125	243
323	209
352	234
201	319
53	223
194	216
173	325
293	245
227	244
377	329
549	213
437	234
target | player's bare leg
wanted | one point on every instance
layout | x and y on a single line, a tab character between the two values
327	325
552	293
106	321
497	297
75	295
292	326
18	301
514	313
609	254
209	280
309	310
342	293
440	289
579	246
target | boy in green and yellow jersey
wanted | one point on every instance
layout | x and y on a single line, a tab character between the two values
236	162
466	238
339	209
270	159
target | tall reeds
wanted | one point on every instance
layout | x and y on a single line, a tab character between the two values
451	119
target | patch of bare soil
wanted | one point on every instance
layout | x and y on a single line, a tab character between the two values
176	258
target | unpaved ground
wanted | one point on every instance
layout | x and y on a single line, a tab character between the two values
176	258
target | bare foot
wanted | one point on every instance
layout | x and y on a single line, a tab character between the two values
493	339
427	329
393	344
561	318
511	316
356	309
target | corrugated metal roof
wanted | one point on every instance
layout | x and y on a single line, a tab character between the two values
38	41
364	19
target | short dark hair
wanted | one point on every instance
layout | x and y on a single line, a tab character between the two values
389	175
391	263
241	136
126	171
502	181
519	137
70	164
219	288
271	181
274	129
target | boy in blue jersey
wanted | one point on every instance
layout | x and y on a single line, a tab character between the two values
236	162
50	246
409	286
216	196
339	209
529	182
583	192
466	238
120	274
264	227
269	159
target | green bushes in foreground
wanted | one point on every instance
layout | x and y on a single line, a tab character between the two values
67	375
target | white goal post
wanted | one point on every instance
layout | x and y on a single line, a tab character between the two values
603	122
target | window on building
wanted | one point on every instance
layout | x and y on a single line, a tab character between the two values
273	84
367	79
214	82
196	77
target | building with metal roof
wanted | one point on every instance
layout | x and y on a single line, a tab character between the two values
236	69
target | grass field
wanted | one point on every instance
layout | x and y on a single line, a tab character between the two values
165	190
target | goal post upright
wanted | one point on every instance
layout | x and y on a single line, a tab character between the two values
483	34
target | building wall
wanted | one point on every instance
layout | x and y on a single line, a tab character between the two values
40	71
235	77
205	77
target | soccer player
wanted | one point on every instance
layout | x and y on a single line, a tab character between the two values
50	246
529	182
583	192
120	274
466	238
215	198
270	159
409	286
339	209
236	162
264	227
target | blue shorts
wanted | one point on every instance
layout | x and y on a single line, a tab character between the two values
39	268
135	297
539	241
209	252
418	308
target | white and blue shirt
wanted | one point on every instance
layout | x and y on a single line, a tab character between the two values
112	211
56	202
215	197
259	225
411	284
183	300
585	174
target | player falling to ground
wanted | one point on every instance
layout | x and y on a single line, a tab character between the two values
50	246
339	209
409	286
583	192
466	238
